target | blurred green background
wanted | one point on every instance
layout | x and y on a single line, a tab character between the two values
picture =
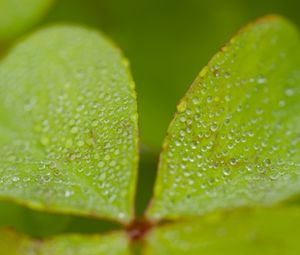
167	43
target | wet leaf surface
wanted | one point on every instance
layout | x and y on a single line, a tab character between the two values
235	139
68	125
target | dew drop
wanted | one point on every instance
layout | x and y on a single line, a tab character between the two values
101	164
260	79
226	172
196	100
259	111
233	161
112	163
80	143
68	193
281	103
227	98
15	179
102	177
289	92
74	130
209	99
213	128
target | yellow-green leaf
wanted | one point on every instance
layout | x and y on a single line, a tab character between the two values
235	139
12	243
259	232
68	125
18	15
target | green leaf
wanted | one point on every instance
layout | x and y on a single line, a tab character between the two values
68	132
18	15
15	244
261	232
235	139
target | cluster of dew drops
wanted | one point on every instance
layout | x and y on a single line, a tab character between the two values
87	144
225	130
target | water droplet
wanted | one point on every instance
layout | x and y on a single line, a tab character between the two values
233	161
226	172
260	79
102	177
281	103
107	157
203	91
227	98
74	130
227	75
112	163
15	179
259	111
209	99
289	92
213	128
68	193
216	73
101	164
196	100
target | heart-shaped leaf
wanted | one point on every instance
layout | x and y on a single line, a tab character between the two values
235	139
14	244
18	15
261	232
68	125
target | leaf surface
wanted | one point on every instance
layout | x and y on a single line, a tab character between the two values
15	244
68	125
235	139
261	232
18	15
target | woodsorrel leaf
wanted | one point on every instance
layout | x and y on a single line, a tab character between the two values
18	15
263	232
235	139
16	244
68	125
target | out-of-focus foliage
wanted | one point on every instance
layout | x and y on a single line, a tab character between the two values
18	15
